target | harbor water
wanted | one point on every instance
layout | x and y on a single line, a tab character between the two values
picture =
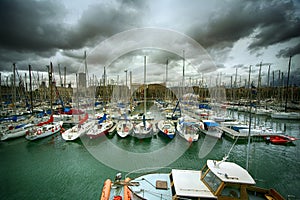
52	168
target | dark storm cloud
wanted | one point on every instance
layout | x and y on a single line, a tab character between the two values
104	20
290	51
33	32
270	22
31	25
280	25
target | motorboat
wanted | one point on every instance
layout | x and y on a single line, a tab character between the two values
280	139
216	180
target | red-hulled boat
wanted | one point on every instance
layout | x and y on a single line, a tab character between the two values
280	139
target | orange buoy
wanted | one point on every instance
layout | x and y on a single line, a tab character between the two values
106	190
127	192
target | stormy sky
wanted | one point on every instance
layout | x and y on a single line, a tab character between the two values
234	34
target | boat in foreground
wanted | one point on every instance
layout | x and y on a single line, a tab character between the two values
117	190
216	180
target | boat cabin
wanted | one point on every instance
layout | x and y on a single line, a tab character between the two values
226	180
218	180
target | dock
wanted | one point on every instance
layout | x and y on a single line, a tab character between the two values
232	134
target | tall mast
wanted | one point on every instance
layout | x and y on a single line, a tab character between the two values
65	90
77	93
85	67
51	88
259	82
250	120
166	78
14	88
30	89
183	66
126	88
249	82
145	88
104	85
130	91
287	85
1	91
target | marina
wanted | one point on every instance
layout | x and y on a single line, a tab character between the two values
75	165
181	133
149	100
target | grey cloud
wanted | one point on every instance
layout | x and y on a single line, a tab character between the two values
102	21
290	51
270	22
31	25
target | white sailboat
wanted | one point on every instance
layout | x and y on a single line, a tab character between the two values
78	130
44	129
124	126
100	127
143	129
188	128
285	114
18	131
166	126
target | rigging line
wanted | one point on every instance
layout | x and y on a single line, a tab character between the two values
226	156
146	168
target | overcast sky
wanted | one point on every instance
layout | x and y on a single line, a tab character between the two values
234	33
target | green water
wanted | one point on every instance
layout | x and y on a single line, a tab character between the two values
51	168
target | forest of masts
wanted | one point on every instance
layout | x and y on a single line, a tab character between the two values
277	87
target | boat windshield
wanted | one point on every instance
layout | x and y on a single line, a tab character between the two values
212	181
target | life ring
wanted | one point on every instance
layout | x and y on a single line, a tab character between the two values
39	132
166	131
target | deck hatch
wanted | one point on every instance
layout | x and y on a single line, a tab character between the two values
161	185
